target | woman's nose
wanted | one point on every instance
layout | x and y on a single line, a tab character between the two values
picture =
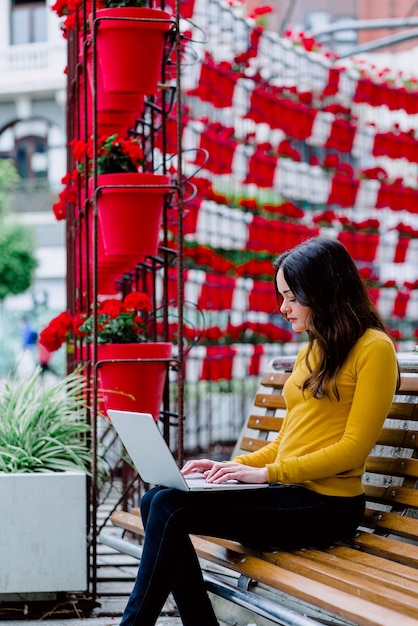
284	307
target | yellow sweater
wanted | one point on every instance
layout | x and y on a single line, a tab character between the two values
324	443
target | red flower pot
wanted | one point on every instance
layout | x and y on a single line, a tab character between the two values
220	149
401	249
218	363
401	303
276	236
361	246
255	361
130	217
116	112
216	84
217	293
261	169
343	190
137	385
341	137
110	267
130	46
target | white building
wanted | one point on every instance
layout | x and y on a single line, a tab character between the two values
33	57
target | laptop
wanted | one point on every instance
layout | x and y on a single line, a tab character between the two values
153	459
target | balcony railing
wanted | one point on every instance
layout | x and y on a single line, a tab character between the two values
46	60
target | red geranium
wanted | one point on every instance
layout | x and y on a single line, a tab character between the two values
57	331
114	155
118	321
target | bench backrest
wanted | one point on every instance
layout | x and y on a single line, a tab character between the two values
391	478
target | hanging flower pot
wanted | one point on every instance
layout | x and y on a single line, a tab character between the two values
110	268
262	168
131	370
218	363
116	112
130	46
361	246
133	385
130	215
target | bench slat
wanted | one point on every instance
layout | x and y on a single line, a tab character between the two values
249	444
128	521
398	438
409	384
387	548
265	422
271	401
393	466
392	495
406	527
274	379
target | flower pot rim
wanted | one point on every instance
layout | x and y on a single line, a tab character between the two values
161	19
143	175
164	344
144	182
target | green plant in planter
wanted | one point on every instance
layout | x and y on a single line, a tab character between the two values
44	428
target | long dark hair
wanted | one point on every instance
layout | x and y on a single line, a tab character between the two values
322	276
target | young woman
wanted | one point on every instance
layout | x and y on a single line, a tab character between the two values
337	398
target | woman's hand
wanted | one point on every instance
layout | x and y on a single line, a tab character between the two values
198	466
216	472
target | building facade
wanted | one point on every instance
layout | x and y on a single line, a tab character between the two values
33	57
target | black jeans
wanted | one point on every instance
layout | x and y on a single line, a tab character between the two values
280	516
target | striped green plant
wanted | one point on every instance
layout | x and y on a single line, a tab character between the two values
43	428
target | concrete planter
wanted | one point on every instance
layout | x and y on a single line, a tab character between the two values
43	538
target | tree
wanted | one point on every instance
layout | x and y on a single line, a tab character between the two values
8	181
17	244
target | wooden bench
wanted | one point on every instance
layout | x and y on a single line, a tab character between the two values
370	581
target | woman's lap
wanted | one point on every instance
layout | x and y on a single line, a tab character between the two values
280	516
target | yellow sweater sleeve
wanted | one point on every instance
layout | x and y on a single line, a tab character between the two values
324	443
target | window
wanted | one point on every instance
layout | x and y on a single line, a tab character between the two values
31	157
26	143
28	21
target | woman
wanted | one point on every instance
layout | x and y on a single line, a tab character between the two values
337	397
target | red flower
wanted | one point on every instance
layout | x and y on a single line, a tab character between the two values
111	307
368	274
213	333
138	301
60	210
326	218
395	333
248	203
374	173
113	154
55	334
285	149
261	11
331	161
118	321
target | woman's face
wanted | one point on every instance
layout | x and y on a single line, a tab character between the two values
295	313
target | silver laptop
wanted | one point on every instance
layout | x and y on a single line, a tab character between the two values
153	459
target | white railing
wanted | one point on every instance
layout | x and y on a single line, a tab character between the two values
35	56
